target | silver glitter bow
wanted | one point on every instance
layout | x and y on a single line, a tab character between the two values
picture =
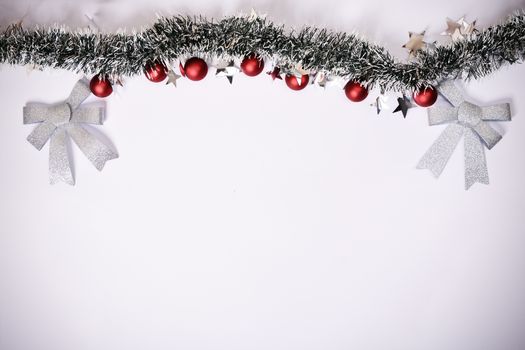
66	118
466	119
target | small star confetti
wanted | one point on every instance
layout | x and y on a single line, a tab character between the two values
415	43
172	78
460	29
275	73
380	103
403	105
320	79
229	71
254	16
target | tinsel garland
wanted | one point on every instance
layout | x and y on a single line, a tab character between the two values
318	50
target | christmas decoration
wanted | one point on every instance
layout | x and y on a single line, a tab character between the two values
252	65
380	103
275	74
468	120
425	97
57	122
336	54
195	69
415	43
403	105
329	59
172	78
228	71
296	83
460	29
156	72
355	91
100	87
320	79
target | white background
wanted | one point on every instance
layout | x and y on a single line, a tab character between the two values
254	217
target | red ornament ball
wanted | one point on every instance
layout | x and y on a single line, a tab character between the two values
355	91
252	65
100	87
156	72
195	69
293	82
426	97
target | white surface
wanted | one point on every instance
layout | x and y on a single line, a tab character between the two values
254	217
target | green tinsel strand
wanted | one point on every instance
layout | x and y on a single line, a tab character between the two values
338	54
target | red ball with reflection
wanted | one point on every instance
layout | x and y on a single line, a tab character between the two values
426	97
194	69
156	72
252	65
355	91
100	87
293	82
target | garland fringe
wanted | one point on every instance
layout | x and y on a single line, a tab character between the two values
318	50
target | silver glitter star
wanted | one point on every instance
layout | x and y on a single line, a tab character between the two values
172	78
460	29
452	26
403	105
380	103
228	71
415	43
254	16
320	79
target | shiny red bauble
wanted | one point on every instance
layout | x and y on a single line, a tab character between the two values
252	65
100	87
156	72
293	82
194	69
425	97
355	91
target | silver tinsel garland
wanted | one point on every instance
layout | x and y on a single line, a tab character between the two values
314	49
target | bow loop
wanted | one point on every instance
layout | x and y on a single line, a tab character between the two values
449	91
89	115
499	112
80	92
442	114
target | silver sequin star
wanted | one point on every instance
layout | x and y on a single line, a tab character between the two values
460	29
415	43
380	103
228	71
172	78
403	105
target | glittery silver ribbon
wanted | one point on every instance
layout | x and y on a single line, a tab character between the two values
66	118
468	120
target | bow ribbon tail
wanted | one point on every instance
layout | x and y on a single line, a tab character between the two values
94	149
450	91
442	115
475	163
437	156
59	165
